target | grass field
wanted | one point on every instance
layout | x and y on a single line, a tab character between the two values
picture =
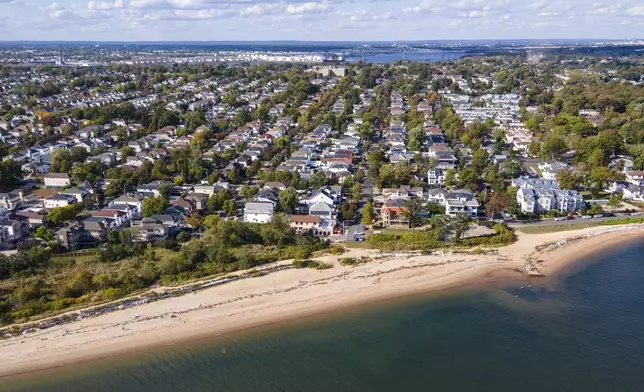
580	225
356	245
555	229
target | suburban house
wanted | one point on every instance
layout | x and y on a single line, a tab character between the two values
259	211
635	177
394	213
461	202
634	192
550	169
322	210
59	200
56	180
10	201
149	232
313	225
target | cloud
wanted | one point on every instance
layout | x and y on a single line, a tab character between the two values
187	15
262	9
307	8
104	6
55	7
636	11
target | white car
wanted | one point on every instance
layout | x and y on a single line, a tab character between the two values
586	216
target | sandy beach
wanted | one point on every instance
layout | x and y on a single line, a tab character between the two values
292	294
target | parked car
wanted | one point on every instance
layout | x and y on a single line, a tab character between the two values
587	216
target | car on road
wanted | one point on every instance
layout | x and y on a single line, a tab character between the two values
598	216
586	216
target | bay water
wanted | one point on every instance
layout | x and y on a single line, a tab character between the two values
580	331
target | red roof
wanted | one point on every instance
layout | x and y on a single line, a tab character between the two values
305	219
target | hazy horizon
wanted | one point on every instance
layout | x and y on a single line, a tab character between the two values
311	21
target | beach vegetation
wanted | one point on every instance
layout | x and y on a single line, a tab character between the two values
36	281
313	264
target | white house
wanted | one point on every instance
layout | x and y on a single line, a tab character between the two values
259	211
635	177
634	192
461	202
59	200
56	180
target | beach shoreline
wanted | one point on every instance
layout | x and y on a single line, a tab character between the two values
293	294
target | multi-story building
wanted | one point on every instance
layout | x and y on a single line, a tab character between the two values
539	196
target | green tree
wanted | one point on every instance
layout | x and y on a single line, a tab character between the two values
230	207
480	160
512	168
288	200
434	208
368	214
615	201
233	175
411	210
61	161
459	225
194	220
10	174
450	178
44	233
567	179
318	180
154	205
468	179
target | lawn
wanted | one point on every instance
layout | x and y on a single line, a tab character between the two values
357	245
580	225
556	229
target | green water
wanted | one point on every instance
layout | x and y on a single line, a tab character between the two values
580	332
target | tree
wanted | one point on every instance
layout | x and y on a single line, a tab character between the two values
64	214
459	225
450	178
230	207
434	208
566	179
412	208
249	191
154	205
61	161
10	174
497	203
480	160
288	200
44	233
376	157
368	214
233	175
468	179
348	210
615	201
599	177
318	180
194	220
512	168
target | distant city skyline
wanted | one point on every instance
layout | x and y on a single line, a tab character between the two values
327	20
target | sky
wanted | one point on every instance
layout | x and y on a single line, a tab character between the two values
325	20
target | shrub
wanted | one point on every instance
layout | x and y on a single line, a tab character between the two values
314	264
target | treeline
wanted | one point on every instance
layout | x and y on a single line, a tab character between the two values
35	283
